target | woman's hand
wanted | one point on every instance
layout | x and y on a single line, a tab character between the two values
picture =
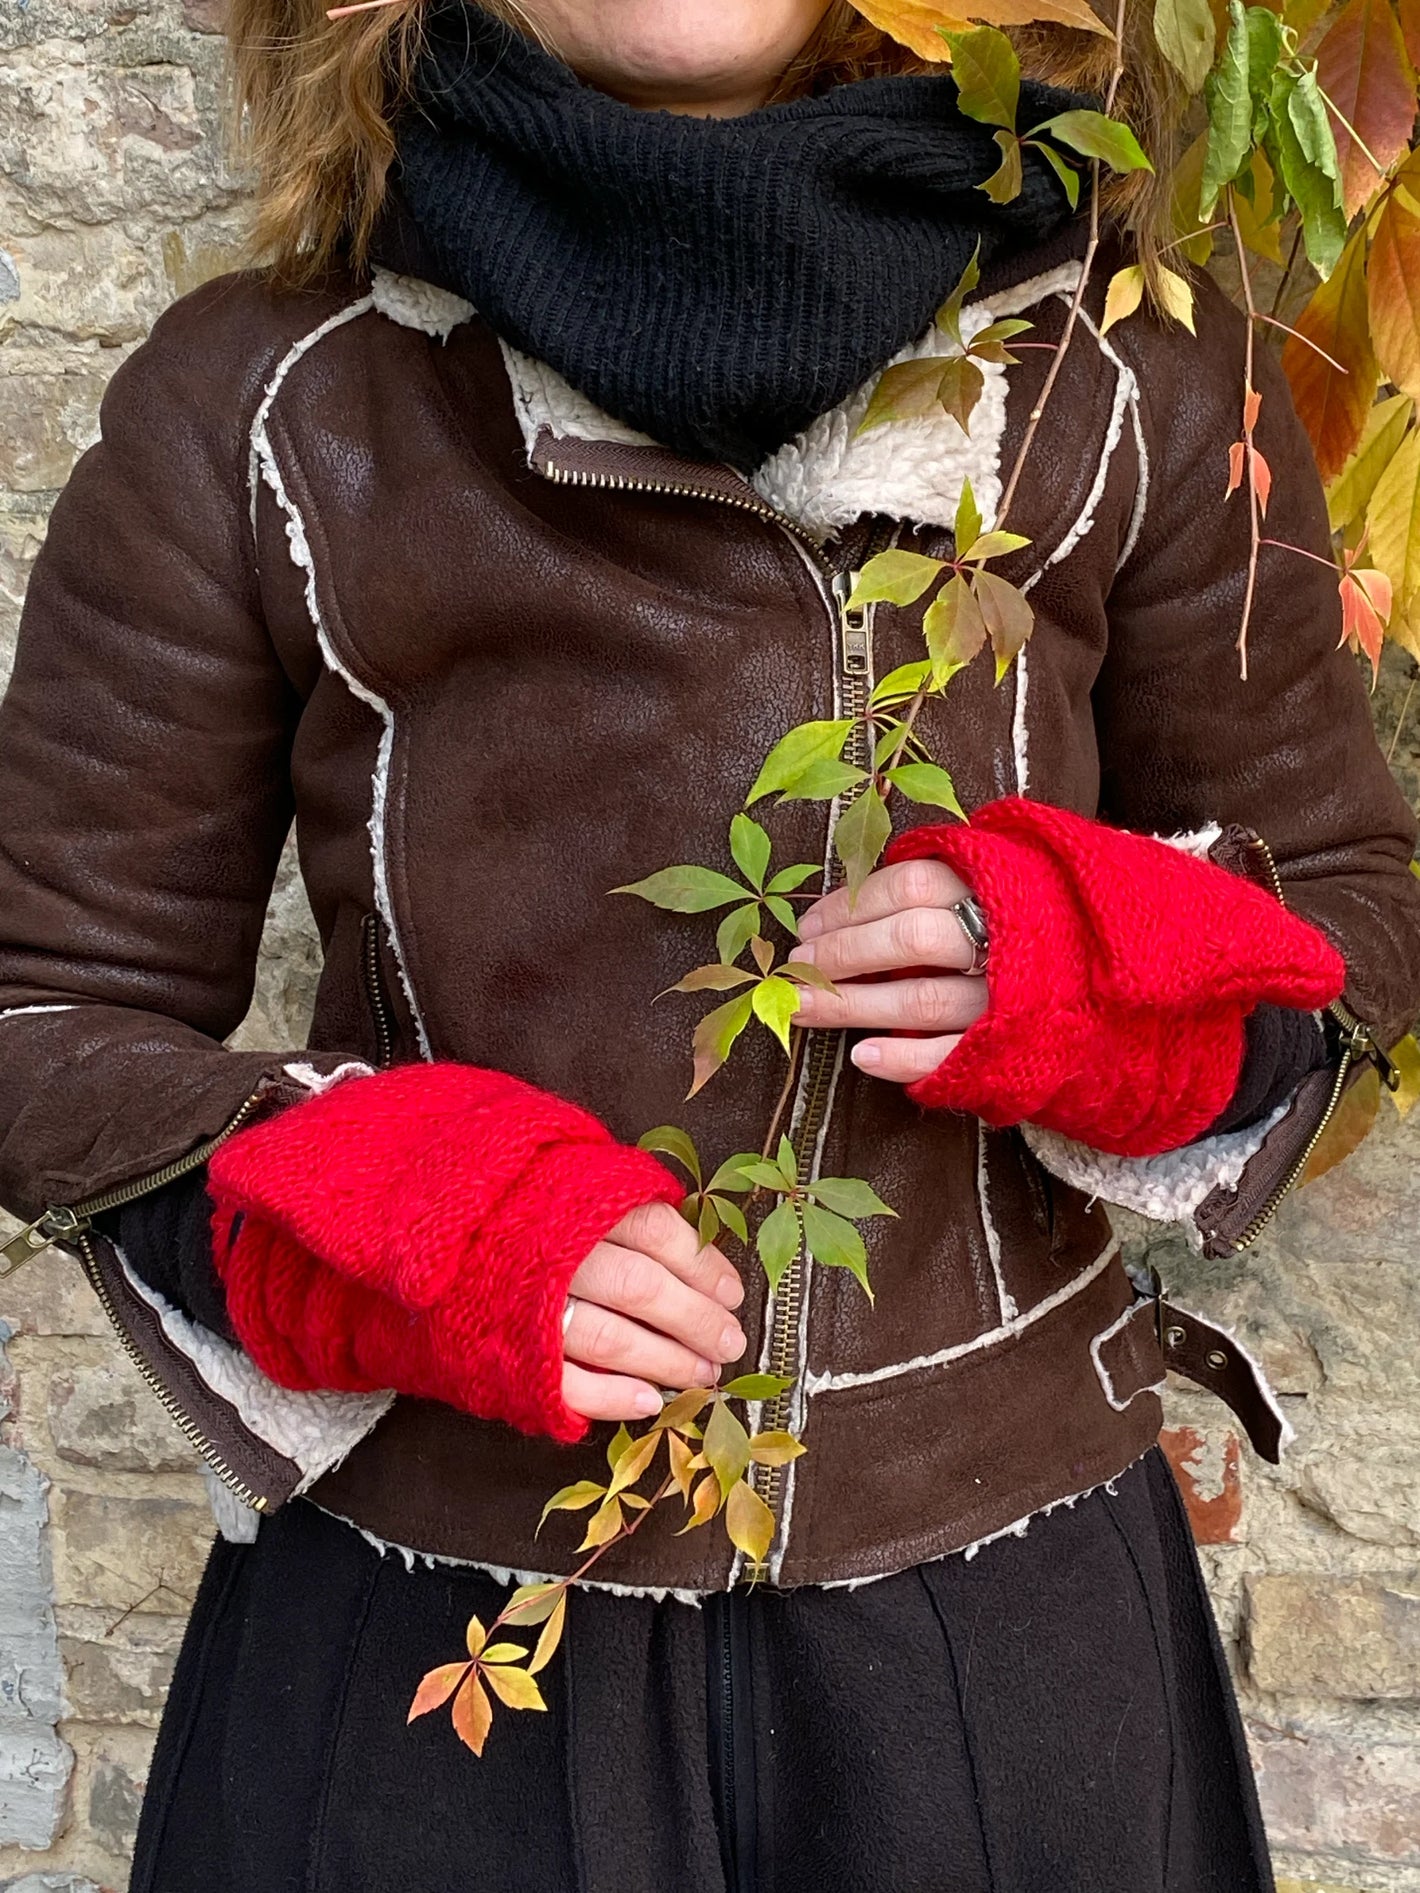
649	1308
902	919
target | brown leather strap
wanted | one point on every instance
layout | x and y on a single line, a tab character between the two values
1213	1359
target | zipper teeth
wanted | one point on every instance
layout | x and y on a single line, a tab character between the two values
615	483
181	1418
375	991
1294	1175
126	1193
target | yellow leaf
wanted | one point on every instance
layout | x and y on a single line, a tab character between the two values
1350	1127
1394	520
1406	1059
749	1522
473	1715
918	24
606	1522
683	1409
1260	230
1176	294
515	1687
1350	492
476	1636
705	1505
682	1460
1393	283
1197	245
633	1462
503	1653
1122	299
775	1449
551	1636
533	1603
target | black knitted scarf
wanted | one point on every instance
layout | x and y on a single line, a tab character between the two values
715	283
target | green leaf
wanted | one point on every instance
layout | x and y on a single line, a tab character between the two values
783	913
668	1140
788	1159
787	879
714	979
725	1446
1314	191
778	1242
1095	136
732	1216
1229	99
731	1174
954	628
572	1498
905	392
925	782
620	1444
686	890
715	1037
901	684
1186	38
849	1196
949	315
1065	171
1264	55
1310	120
757	1387
1006	181
894	578
749	1522
751	848
967	529
765	1175
1007	615
533	1603
864	830
995	545
809	743
835	1243
988	75
960	388
735	932
776	1001
824	782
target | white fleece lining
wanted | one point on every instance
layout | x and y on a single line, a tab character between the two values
415	304
993	1337
263	459
314	1430
317	1082
1096	1355
1006	1301
33	1012
1020	731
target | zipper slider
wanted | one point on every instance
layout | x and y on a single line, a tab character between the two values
53	1226
855	628
1361	1045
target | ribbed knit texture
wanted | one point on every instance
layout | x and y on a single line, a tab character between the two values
715	283
418	1230
1122	973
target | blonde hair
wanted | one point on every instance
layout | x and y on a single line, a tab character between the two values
317	99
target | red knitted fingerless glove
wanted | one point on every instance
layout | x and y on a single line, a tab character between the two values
1121	973
418	1230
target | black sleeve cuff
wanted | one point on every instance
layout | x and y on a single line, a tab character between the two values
166	1239
1283	1046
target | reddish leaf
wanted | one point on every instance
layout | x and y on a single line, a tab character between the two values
1366	73
436	1688
473	1715
1334	406
1367	600
1237	458
1393	279
1252	407
1409	11
1261	481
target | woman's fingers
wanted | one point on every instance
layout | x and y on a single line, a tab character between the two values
887	891
949	1004
663	1233
903	1061
599	1337
913	936
631	1283
608	1396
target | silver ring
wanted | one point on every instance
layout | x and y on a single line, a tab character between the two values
969	917
567	1314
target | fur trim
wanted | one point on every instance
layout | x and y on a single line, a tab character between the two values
544	400
32	1012
1167	1189
1006	1301
415	304
316	1082
1097	1346
315	1431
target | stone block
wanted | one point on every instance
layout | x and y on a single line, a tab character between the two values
1318	1635
129	1553
49	1883
106	1415
46	422
50	1295
1366	1482
20	541
34	1772
34	1763
1323	1795
119	1672
1207	1467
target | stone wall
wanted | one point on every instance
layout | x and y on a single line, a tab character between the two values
114	198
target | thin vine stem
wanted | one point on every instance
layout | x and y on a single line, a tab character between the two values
1254	515
566	1583
796	1043
1285	279
1400	724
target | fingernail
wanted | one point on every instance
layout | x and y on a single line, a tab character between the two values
730	1290
867	1056
803	952
732	1341
649	1401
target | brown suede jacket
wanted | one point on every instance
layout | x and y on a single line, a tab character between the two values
341	555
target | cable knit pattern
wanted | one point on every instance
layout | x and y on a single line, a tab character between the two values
418	1230
1122	973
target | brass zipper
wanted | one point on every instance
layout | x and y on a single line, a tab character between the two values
1358	1046
375	992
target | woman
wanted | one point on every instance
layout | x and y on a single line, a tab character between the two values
501	546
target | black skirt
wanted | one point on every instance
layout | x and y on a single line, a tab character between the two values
1051	1716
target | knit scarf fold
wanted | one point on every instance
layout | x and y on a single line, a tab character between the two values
715	283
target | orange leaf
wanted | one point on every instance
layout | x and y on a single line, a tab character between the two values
1237	458
473	1715
1261	481
1252	407
436	1688
1367	601
1409	11
917	23
1366	72
1334	406
1393	280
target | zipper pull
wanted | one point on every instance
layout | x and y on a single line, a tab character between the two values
855	628
56	1225
1361	1045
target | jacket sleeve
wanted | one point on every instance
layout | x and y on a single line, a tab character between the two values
144	792
1189	748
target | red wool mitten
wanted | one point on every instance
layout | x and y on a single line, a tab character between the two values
1121	973
418	1230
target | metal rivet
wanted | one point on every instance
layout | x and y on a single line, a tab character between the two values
1217	1359
1175	1337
